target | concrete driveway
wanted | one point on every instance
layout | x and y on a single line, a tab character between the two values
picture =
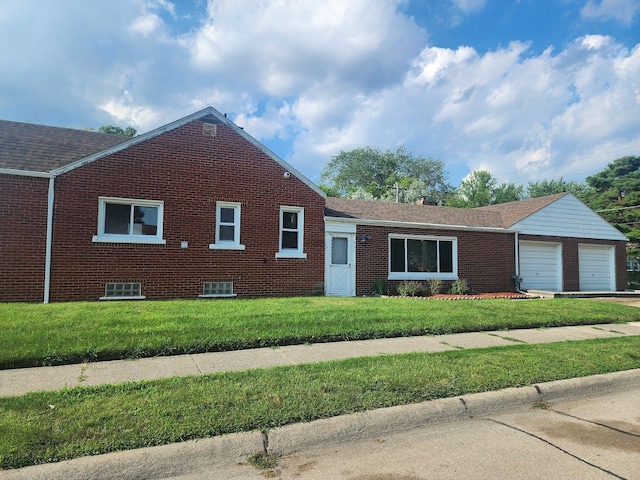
631	301
594	438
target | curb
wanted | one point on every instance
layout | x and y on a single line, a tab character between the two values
182	458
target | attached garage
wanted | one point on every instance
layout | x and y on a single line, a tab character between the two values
596	265
541	266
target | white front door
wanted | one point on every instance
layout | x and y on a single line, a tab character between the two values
340	264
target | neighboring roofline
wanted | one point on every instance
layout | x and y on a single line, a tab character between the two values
179	123
25	173
431	226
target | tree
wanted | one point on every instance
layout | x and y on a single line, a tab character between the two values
481	188
616	195
388	175
551	187
114	130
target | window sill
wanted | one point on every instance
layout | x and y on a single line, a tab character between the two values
294	254
230	246
129	239
227	295
141	297
421	276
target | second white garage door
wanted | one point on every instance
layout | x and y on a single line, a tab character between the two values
596	265
541	266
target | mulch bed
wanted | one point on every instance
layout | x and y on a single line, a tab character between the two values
481	296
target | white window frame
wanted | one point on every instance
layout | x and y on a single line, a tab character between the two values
297	252
425	275
103	237
228	244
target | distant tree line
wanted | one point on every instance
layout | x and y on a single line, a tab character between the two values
400	176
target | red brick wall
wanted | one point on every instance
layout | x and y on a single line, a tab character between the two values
23	232
190	172
570	267
485	260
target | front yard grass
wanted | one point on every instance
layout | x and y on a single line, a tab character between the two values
59	333
52	426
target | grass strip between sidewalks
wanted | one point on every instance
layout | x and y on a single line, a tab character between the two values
51	426
53	334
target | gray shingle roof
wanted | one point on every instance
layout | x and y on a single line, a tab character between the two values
513	212
40	148
501	216
410	213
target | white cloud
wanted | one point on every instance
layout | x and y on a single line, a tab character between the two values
321	77
467	6
622	11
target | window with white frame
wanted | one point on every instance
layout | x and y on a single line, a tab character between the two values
125	220
291	233
422	257
227	227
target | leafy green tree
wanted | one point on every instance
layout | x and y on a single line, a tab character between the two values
481	188
370	172
114	130
616	195
550	187
508	192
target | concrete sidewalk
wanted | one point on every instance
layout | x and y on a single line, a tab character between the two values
216	454
20	381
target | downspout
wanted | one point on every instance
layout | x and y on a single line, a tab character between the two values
47	258
517	275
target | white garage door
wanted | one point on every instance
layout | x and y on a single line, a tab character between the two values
596	263
541	266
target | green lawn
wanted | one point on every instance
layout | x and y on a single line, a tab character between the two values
61	333
52	426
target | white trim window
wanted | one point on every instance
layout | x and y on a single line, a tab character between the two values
418	257
291	233
227	227
126	220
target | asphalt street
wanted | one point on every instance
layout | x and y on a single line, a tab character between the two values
596	437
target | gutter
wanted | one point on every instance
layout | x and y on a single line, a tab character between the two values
439	226
24	173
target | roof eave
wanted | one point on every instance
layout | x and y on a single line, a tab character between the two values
431	226
25	173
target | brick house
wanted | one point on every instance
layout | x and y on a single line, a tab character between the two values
198	208
554	243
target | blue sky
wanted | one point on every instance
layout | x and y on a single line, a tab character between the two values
527	89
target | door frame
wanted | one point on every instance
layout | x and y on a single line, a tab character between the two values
349	232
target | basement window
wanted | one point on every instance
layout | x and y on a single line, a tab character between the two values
123	291
217	289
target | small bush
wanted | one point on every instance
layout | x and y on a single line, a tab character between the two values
410	289
379	287
435	286
460	287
